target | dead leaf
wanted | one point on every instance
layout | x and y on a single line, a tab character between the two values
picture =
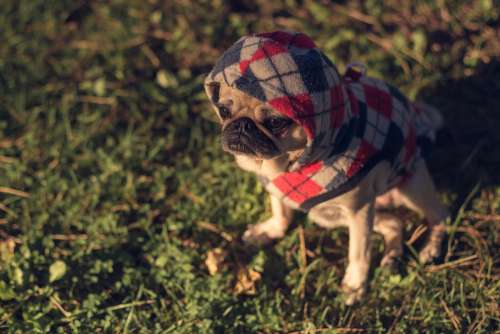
57	270
246	281
214	260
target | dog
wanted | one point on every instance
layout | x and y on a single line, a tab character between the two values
341	148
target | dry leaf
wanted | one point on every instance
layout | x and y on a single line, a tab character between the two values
57	270
246	281
214	260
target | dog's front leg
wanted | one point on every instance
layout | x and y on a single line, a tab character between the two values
272	228
355	280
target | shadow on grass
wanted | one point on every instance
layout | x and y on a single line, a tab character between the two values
467	151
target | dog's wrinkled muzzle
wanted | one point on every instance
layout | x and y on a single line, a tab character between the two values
242	136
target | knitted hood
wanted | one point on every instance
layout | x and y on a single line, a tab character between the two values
352	122
287	71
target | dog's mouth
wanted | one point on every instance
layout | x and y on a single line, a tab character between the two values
244	137
239	147
255	147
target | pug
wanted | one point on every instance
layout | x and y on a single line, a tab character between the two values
340	147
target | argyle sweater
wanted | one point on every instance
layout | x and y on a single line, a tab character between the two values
352	122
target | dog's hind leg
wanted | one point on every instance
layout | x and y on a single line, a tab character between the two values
419	194
391	228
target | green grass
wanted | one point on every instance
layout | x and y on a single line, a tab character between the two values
114	188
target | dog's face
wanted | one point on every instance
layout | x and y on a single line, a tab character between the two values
252	128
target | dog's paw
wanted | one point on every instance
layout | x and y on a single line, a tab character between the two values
432	249
430	253
390	261
354	283
265	232
353	295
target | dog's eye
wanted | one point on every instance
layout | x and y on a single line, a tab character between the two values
277	124
224	112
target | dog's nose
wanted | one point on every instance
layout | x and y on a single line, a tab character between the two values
242	124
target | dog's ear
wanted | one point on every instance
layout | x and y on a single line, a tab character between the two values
213	91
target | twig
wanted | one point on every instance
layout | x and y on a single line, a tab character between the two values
160	34
336	329
459	217
453	317
483	217
417	234
113	308
9	239
153	58
15	192
474	234
351	12
194	198
457	263
110	101
397	317
387	46
54	302
69	237
211	227
303	256
7	160
4	207
127	305
303	260
131	312
85	45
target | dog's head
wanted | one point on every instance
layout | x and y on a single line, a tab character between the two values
277	93
251	127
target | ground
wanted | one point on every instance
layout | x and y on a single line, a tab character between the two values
119	212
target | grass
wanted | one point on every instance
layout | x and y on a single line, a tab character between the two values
119	212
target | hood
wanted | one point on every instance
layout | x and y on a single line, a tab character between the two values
287	70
